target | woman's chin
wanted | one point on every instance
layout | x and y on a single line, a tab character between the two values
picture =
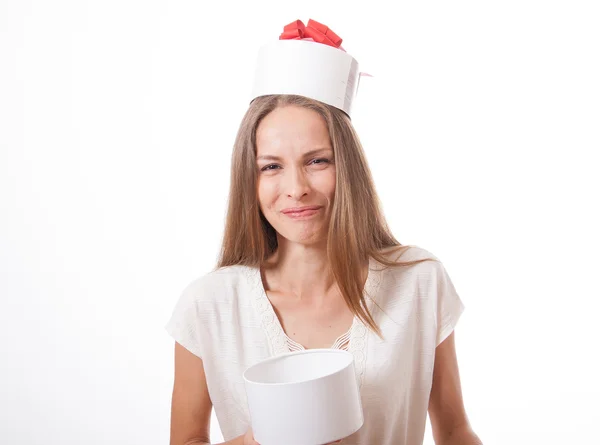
306	237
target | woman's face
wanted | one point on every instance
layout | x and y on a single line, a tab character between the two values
296	173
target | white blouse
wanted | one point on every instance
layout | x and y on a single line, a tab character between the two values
226	318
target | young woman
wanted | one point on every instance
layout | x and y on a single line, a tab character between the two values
308	261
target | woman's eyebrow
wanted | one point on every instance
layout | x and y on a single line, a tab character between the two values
306	155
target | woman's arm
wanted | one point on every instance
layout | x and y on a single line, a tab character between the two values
449	421
191	405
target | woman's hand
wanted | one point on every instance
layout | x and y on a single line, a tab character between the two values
249	439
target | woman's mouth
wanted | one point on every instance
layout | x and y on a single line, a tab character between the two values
301	212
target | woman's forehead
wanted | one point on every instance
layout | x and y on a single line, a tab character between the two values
291	129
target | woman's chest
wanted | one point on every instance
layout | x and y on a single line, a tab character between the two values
312	326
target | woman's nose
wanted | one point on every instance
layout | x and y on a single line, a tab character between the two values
297	184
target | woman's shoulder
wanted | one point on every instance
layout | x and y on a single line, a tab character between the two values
410	266
416	268
208	306
418	277
408	253
221	284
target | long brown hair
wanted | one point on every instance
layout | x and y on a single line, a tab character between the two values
357	228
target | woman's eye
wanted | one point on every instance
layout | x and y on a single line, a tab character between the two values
319	161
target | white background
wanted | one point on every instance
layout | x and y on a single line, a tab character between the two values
117	120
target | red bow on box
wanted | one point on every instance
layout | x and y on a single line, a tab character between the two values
314	30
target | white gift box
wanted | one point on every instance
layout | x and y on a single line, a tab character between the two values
304	398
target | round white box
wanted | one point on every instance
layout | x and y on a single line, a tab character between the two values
304	398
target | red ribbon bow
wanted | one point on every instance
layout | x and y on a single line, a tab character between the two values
314	30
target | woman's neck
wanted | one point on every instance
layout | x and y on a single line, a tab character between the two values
302	270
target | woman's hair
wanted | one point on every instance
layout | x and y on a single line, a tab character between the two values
357	228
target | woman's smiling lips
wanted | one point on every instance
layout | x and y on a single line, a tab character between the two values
301	212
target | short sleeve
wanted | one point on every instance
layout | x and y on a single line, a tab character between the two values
183	325
448	305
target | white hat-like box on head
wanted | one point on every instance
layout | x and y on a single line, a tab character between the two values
304	398
307	68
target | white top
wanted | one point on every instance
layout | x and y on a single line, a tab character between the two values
226	318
